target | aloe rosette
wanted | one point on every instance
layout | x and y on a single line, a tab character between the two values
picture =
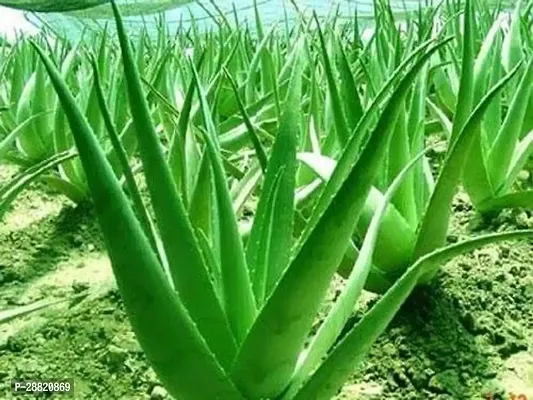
218	319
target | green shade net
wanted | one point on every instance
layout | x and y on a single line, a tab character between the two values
68	18
51	5
94	8
71	17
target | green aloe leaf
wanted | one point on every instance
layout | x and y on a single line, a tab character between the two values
399	155
332	326
298	295
348	91
74	192
521	156
244	189
254	137
71	170
191	278
10	314
122	156
238	297
512	43
390	254
433	229
10	190
465	97
421	182
256	61
494	115
31	140
476	178
511	200
351	152
351	350
155	310
445	122
7	142
483	63
341	125
270	242
182	157
505	143
201	206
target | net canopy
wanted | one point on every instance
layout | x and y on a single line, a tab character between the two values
71	17
93	8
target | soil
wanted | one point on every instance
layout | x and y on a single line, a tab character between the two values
469	335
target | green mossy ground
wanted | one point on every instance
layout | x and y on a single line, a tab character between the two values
468	334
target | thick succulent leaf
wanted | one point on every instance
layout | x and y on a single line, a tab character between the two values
185	260
30	141
445	122
351	152
399	155
483	63
465	97
155	310
351	350
341	125
445	93
512	43
267	67
420	182
212	263
504	145
390	255
182	157
10	314
521	156
270	242
7	142
348	91
239	301
10	190
434	227
253	67
254	110
267	241
337	317
201	206
122	157
281	327
528	121
63	141
244	189
476	175
493	117
74	192
252	132
511	200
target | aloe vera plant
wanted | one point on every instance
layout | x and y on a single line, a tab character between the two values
218	319
420	211
34	131
504	144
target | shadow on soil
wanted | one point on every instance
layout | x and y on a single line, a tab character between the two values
31	252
